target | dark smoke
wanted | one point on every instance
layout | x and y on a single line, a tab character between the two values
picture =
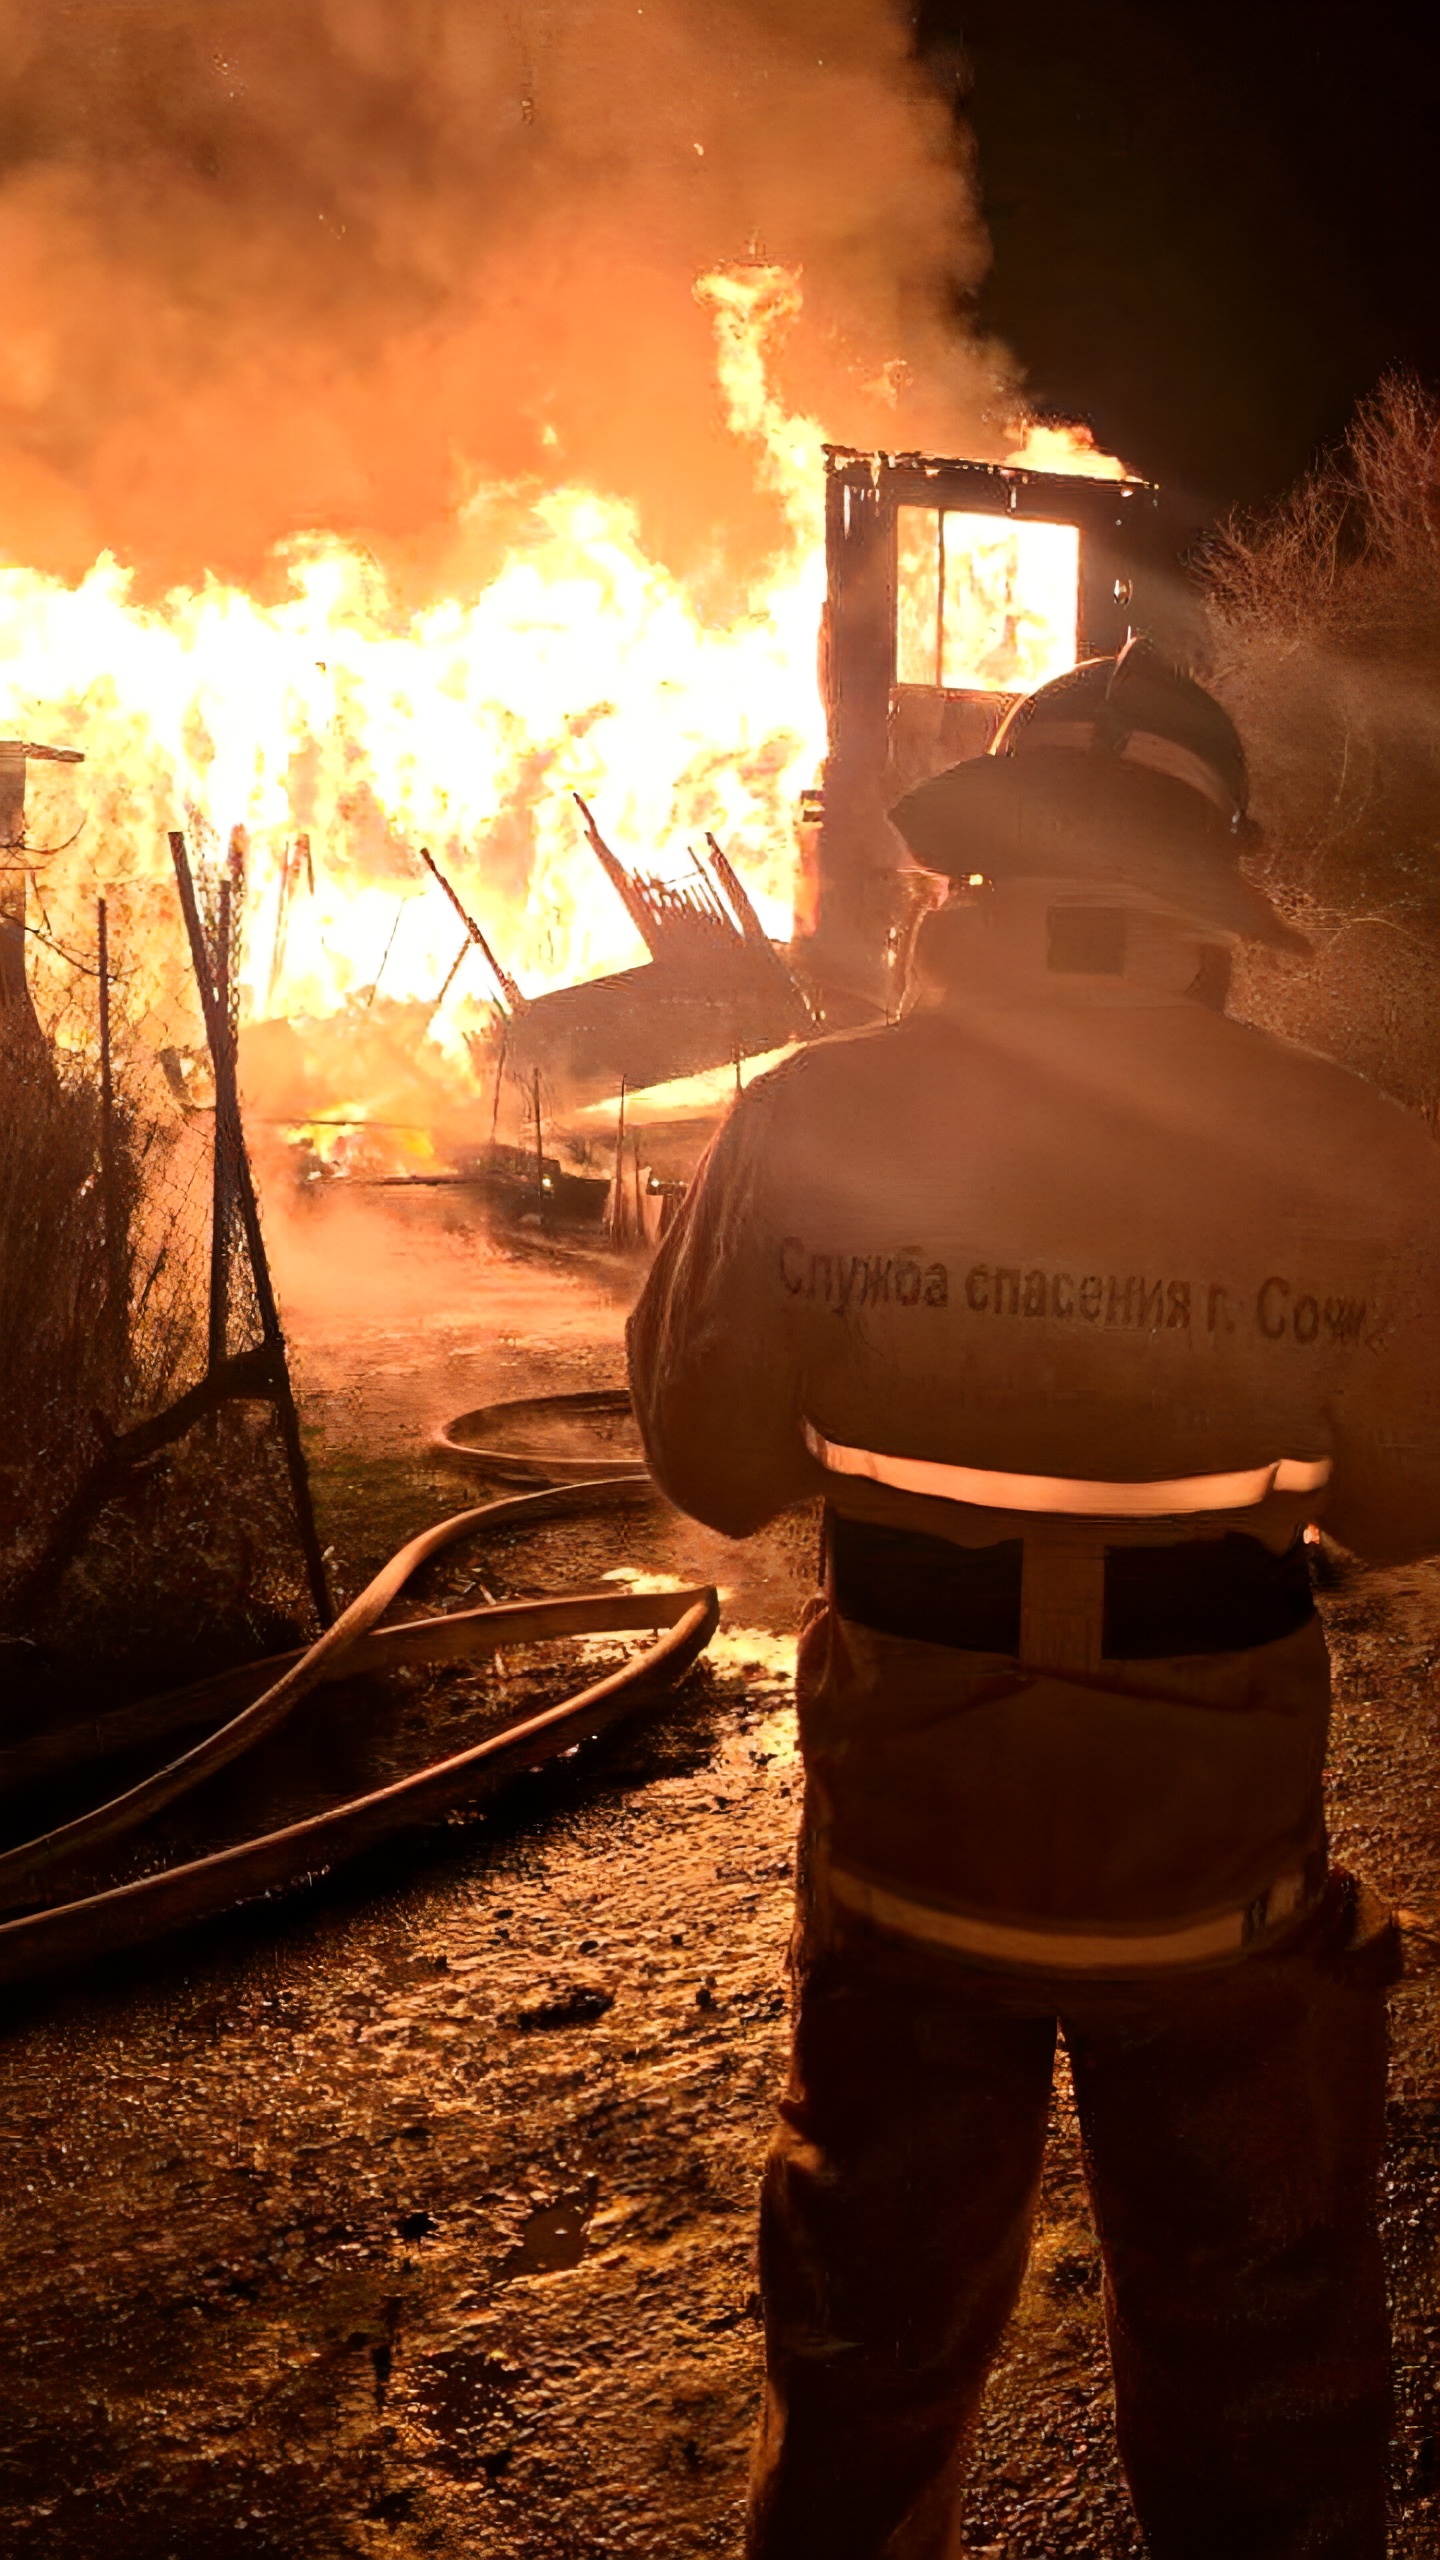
270	265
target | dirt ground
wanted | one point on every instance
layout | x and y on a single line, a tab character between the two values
414	2215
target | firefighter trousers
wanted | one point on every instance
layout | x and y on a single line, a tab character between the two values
1232	2125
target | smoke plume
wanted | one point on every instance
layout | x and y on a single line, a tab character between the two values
273	265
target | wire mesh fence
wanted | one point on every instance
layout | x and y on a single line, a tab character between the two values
110	1256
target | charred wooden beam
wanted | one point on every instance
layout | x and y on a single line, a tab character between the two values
503	980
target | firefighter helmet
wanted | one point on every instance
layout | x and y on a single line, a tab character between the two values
1124	772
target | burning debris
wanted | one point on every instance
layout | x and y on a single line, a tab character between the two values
715	990
715	994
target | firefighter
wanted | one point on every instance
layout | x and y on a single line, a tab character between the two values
1075	1302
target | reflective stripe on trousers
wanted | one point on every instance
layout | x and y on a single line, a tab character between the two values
1233	2124
1085	1951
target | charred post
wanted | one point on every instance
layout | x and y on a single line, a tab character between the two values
117	1266
221	1175
270	1355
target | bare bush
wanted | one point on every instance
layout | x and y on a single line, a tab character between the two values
1324	643
63	1349
103	1271
192	1566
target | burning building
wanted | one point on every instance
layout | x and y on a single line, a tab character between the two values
737	884
480	465
951	587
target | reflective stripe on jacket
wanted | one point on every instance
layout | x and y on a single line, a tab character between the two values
1120	1242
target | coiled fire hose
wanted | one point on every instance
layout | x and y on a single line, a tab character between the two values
62	1932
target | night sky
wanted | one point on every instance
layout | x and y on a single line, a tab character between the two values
1214	227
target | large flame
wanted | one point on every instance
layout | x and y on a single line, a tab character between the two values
583	665
337	716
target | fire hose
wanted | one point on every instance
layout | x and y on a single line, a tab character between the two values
53	1934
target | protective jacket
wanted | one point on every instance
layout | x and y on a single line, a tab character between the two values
1075	1301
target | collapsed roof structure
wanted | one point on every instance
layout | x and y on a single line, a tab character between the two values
714	990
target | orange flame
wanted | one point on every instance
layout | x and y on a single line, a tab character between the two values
582	665
1049	446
